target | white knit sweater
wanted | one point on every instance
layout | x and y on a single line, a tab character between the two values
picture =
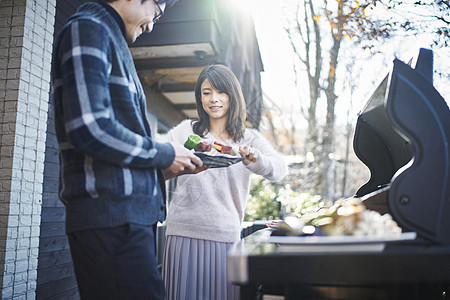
210	205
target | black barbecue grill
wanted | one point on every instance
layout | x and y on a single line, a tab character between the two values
402	135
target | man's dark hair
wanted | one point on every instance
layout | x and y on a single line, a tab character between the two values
169	3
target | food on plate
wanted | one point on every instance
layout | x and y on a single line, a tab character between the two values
222	148
203	146
195	142
192	141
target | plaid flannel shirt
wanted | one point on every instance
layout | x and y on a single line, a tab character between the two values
110	166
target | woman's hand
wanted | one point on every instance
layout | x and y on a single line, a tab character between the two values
248	153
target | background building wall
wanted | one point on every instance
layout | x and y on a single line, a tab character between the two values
55	277
26	37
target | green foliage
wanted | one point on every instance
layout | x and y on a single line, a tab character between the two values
263	204
270	201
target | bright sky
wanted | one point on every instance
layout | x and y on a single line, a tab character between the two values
278	78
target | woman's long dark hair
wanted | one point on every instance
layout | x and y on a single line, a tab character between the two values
224	80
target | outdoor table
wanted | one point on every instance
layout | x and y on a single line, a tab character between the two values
403	270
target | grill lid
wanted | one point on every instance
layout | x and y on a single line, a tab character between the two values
402	135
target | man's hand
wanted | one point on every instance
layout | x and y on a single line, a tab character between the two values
185	162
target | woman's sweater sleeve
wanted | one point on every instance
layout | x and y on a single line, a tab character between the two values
269	164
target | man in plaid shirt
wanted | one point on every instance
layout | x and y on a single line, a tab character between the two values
111	177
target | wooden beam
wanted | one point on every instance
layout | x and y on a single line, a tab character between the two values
173	62
177	87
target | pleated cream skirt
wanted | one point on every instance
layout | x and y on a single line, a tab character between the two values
195	269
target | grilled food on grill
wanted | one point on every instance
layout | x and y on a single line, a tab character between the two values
344	217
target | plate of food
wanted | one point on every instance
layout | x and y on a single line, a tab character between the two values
207	150
217	161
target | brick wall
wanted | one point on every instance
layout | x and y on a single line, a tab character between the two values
26	36
56	279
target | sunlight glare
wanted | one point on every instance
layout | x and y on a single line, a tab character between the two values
244	5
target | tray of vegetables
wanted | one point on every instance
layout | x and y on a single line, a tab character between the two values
206	149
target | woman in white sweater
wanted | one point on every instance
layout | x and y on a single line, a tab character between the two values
207	208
